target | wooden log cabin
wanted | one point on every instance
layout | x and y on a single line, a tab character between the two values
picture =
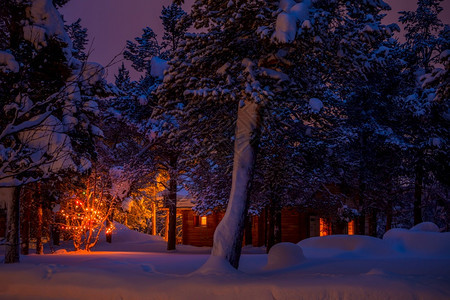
296	225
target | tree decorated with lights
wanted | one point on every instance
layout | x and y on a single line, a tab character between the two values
85	211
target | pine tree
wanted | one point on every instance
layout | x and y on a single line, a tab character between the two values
148	56
78	35
275	78
422	27
176	22
45	123
213	83
141	53
123	80
426	41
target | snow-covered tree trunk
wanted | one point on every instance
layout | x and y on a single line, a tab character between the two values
12	234
229	233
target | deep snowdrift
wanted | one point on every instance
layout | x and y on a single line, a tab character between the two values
406	264
421	240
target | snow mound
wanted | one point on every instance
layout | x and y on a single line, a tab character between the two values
284	255
339	245
216	265
421	240
126	239
426	226
123	234
60	251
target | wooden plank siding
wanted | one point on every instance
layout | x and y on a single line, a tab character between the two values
294	228
2	223
294	225
196	235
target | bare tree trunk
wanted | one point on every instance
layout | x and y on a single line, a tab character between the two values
109	222
361	229
39	225
229	233
166	227
248	231
154	218
25	223
274	225
55	235
13	226
172	235
389	216
373	223
418	185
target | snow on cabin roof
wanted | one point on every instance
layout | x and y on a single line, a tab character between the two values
184	202
184	199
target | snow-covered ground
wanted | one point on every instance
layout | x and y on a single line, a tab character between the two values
406	264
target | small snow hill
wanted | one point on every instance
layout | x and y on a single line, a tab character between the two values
125	239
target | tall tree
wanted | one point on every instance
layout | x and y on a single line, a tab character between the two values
44	123
152	60
425	42
215	89
246	58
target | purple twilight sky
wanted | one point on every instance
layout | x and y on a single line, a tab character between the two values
111	23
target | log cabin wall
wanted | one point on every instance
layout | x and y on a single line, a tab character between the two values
259	230
294	225
197	234
2	223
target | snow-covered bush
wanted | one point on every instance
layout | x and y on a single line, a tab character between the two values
283	255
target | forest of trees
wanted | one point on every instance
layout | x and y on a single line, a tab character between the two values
247	105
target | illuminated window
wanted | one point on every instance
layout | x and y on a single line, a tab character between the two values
351	227
200	221
325	227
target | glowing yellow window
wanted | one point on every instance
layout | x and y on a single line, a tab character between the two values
203	221
351	227
325	227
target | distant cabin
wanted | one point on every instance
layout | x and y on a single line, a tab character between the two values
296	225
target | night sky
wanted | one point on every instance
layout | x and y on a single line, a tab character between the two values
111	23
